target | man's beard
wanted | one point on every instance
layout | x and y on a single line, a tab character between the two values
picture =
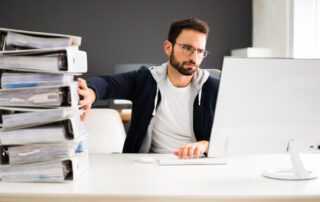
179	67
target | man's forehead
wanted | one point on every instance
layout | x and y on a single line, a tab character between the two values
193	38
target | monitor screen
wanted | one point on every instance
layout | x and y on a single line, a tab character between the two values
264	103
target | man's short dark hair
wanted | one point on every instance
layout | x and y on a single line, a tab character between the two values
190	23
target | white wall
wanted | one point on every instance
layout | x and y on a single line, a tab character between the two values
272	26
306	35
318	29
291	28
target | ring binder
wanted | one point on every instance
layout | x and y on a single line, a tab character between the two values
59	170
14	118
13	79
30	153
45	96
22	39
65	130
42	137
53	60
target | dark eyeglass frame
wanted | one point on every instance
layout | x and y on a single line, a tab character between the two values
189	50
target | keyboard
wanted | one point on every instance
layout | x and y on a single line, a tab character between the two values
200	161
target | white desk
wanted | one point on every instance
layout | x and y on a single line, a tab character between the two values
118	178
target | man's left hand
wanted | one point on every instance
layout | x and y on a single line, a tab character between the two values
192	150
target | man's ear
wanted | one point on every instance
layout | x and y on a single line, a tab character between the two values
167	46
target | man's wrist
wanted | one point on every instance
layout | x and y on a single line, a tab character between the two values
93	96
206	145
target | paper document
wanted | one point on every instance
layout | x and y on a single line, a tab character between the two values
13	39
27	79
14	118
22	40
34	97
30	153
50	63
51	171
50	96
50	60
69	129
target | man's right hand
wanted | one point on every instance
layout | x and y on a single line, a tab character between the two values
88	97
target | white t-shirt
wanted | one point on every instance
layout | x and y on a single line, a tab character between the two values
172	127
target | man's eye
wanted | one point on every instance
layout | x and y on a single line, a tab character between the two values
188	48
200	51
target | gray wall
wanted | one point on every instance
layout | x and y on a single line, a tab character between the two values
132	31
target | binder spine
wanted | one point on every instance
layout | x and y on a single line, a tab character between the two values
79	165
4	157
76	61
74	128
2	40
73	95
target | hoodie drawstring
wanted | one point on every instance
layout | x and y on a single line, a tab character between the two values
155	103
199	97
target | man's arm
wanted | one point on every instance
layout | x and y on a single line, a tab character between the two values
193	150
119	86
88	97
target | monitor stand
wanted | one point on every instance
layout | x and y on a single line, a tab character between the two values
298	172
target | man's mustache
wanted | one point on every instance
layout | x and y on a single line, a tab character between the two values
191	62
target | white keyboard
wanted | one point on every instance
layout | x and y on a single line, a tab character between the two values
200	161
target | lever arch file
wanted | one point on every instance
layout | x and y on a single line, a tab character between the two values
60	170
53	60
29	153
17	79
49	96
69	129
14	118
12	39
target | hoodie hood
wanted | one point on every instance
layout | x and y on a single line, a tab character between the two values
159	73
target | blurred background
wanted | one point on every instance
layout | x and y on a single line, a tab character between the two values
120	35
132	31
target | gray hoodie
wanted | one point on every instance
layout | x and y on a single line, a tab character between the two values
159	73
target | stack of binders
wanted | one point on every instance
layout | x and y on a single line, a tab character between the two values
42	138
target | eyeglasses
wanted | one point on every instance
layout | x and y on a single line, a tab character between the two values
189	50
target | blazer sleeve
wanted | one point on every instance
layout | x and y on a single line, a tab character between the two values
118	86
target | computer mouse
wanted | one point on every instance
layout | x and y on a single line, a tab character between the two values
145	159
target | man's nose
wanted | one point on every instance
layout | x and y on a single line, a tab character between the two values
194	56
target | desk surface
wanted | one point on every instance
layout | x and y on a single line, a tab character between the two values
117	177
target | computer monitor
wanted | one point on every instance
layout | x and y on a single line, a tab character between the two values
264	106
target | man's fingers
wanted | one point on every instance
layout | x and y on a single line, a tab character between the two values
82	84
83	103
190	152
197	152
84	93
185	152
84	116
86	98
180	152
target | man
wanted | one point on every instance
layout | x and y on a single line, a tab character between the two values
173	104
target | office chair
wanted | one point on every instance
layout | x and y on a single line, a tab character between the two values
121	68
106	132
215	73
